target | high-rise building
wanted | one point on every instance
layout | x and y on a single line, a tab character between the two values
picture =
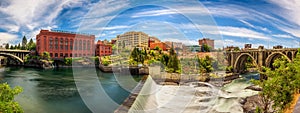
103	48
132	39
207	41
62	44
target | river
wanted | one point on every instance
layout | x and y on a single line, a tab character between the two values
55	91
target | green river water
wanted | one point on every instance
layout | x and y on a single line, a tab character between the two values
55	91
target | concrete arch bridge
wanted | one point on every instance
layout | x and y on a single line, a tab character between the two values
16	55
260	57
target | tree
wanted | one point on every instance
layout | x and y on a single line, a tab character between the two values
19	46
30	44
206	48
205	64
46	56
11	47
173	62
24	42
7	103
7	46
279	84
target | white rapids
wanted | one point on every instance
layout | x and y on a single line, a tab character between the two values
195	97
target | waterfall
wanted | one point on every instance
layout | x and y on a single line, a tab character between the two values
194	97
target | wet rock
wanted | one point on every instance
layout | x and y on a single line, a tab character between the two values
251	103
254	88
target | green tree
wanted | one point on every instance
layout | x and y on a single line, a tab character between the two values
11	47
30	43
7	103
236	49
19	46
7	46
205	64
173	63
164	59
206	48
24	43
45	56
279	84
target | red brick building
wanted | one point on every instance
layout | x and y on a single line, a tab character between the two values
65	44
103	49
207	41
161	45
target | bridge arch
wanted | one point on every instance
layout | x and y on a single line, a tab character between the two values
12	55
271	58
239	63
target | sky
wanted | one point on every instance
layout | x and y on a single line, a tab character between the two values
228	22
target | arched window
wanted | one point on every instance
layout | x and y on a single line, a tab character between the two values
56	43
66	44
84	45
50	43
61	43
76	45
80	45
88	45
71	44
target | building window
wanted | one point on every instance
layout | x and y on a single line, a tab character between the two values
88	45
45	42
51	54
61	43
61	55
76	45
71	55
71	44
56	54
66	55
84	45
50	43
80	45
56	43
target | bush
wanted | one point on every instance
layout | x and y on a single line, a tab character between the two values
68	61
105	63
7	103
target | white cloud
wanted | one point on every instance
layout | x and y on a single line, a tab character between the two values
178	10
239	32
282	36
11	27
256	27
292	9
114	27
7	38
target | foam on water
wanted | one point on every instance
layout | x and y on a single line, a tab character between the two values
194	97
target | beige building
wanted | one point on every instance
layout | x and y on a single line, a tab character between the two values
154	39
132	39
178	45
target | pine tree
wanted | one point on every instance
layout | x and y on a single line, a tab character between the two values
7	46
30	44
24	42
19	46
173	62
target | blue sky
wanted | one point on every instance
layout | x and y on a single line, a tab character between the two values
228	22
